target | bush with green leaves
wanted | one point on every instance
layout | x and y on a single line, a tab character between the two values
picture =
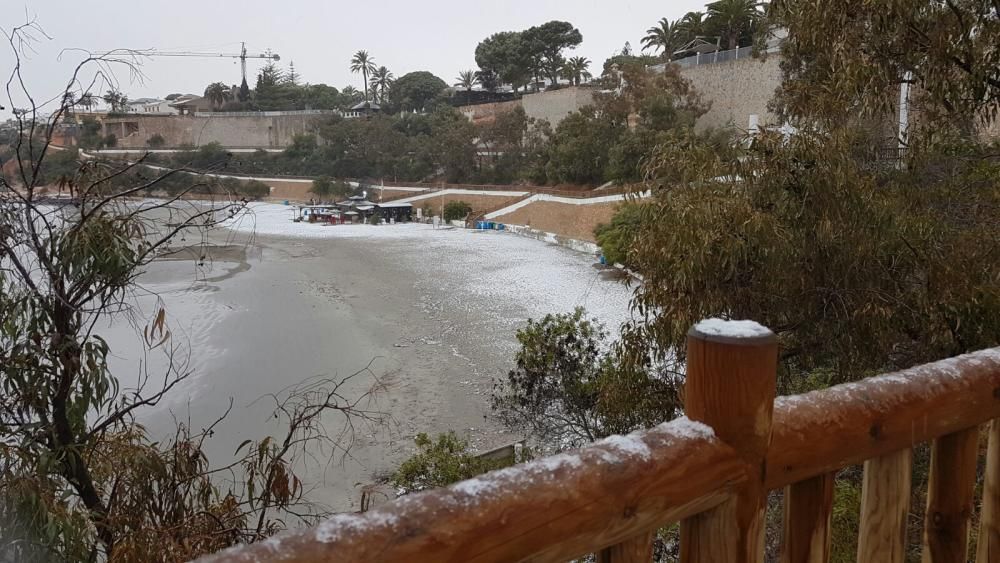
156	141
57	167
326	187
456	210
322	186
613	139
616	238
569	386
441	462
858	268
90	133
254	189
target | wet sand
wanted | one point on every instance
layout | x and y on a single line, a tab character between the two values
435	324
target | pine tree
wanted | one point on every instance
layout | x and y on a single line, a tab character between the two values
292	77
244	93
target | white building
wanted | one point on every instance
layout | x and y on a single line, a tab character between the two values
151	106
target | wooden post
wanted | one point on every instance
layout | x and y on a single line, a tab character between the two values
636	550
950	497
885	508
988	550
730	386
808	509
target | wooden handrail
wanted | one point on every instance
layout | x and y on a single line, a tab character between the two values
609	496
847	424
552	509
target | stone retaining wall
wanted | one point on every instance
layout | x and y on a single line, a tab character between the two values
736	89
260	131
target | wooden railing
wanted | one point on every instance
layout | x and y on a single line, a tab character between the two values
712	471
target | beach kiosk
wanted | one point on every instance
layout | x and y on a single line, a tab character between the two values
319	214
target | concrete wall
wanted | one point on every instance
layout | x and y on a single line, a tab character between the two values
736	90
554	106
230	132
487	113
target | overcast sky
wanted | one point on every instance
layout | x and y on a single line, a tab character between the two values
319	36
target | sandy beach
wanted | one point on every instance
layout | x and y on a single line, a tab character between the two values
433	311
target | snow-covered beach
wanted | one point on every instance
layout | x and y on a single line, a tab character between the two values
494	269
435	311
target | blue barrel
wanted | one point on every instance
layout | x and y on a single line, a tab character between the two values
500	226
604	261
286	202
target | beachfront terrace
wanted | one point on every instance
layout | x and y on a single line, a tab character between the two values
711	471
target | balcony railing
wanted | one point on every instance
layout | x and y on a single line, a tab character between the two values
715	57
711	472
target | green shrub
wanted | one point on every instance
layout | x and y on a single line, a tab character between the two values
90	134
456	210
441	462
156	141
570	387
322	186
616	237
255	189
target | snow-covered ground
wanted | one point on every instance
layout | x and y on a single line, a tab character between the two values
488	272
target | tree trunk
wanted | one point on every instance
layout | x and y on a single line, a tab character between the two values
74	467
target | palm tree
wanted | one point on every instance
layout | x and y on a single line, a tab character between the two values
666	36
87	100
352	94
575	70
731	19
116	100
365	64
467	79
69	100
217	93
692	25
382	79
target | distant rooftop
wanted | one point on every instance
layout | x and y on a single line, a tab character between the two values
365	105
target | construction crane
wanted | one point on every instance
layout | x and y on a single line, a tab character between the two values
242	56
